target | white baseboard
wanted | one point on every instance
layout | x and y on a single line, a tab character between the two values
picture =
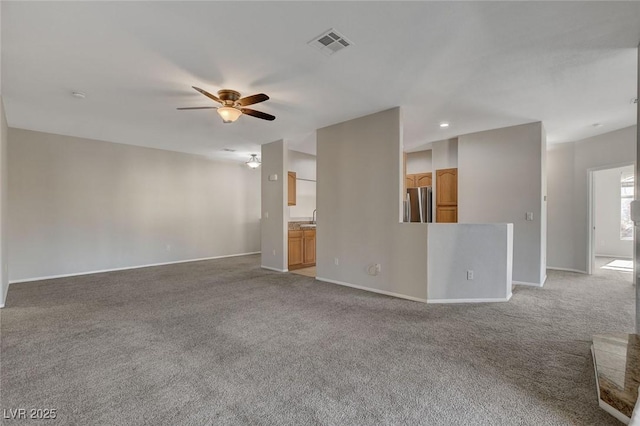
51	277
615	256
527	283
274	269
606	407
554	268
373	290
483	300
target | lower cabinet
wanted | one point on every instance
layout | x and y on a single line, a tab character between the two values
447	214
302	248
296	249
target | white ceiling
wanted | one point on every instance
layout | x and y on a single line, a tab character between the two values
477	65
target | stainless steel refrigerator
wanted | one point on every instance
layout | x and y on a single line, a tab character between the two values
417	205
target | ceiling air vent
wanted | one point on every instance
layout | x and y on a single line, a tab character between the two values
330	42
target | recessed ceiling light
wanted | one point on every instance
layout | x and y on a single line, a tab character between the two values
444	125
229	150
78	95
597	124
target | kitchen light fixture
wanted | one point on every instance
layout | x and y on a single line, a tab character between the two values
253	162
229	114
444	125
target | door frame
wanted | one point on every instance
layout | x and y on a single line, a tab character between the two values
592	210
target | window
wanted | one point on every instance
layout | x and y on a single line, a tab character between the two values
626	197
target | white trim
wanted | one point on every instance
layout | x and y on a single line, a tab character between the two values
615	413
554	268
274	269
52	277
2	306
606	407
526	283
497	299
615	256
591	209
373	290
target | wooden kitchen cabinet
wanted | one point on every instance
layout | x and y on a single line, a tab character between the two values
410	181
296	249
418	179
423	179
447	214
309	241
291	185
447	195
302	248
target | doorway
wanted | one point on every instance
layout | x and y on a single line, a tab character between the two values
611	240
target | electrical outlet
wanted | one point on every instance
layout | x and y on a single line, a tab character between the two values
469	274
266	215
336	261
168	247
373	269
529	216
273	252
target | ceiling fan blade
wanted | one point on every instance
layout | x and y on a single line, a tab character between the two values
253	99
208	95
257	114
181	109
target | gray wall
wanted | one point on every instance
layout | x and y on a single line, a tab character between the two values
79	205
500	178
419	162
305	167
303	164
636	237
359	184
4	211
607	210
274	206
568	197
445	154
455	249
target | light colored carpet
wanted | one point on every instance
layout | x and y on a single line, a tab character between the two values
225	342
613	268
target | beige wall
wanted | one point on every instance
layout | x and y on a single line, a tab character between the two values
274	206
607	212
636	237
359	183
79	205
419	162
500	179
305	167
568	198
4	191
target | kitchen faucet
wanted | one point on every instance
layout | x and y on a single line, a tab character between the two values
314	215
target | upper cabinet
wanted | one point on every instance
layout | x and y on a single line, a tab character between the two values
418	179
447	195
291	185
410	181
423	179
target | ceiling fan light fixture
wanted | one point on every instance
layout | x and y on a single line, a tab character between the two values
253	162
229	114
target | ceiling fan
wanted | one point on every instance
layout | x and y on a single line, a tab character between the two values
232	104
